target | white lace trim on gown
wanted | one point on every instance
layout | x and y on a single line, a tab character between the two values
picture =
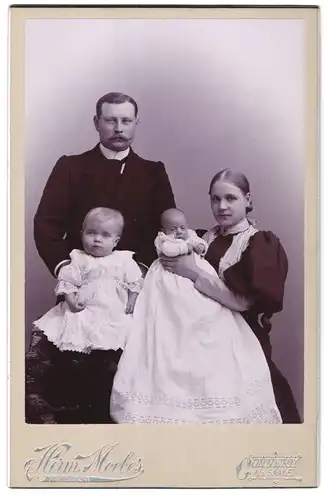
190	360
102	283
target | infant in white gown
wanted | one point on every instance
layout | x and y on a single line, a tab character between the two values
189	359
100	287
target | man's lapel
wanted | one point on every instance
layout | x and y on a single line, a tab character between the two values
132	177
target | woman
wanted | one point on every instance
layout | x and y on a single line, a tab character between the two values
189	358
256	270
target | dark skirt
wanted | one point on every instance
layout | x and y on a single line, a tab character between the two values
64	387
283	393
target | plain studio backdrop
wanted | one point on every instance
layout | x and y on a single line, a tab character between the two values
212	94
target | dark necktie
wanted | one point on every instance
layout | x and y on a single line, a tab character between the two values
112	181
116	165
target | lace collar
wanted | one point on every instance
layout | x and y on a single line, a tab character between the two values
240	227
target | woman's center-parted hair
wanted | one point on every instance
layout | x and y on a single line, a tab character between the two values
237	179
103	214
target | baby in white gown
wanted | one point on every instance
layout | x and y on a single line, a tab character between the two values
100	287
176	238
190	359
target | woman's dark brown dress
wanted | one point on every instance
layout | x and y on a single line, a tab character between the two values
261	274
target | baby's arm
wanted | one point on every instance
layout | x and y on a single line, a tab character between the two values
132	297
170	247
73	302
69	282
198	244
133	283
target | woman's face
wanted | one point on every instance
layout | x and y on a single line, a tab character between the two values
228	203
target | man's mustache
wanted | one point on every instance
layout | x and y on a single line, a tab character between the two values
121	137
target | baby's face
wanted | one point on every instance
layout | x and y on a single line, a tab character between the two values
176	225
99	238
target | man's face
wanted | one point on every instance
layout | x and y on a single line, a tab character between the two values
116	125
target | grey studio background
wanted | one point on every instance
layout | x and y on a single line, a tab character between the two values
213	94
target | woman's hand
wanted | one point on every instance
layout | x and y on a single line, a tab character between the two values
184	266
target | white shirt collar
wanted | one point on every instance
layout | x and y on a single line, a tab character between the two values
113	155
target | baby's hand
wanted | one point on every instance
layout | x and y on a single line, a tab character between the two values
73	302
199	248
129	308
131	302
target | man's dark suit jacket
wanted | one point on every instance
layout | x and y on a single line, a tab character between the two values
82	182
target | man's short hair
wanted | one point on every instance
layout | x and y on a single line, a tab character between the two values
104	214
115	98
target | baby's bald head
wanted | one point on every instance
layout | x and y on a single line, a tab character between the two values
174	223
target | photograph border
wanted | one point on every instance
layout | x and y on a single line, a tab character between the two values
171	445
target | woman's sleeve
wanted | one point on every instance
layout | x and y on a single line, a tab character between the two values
215	288
261	273
70	276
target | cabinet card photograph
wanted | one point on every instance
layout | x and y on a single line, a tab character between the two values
163	168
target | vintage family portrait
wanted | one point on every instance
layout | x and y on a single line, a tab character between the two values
165	220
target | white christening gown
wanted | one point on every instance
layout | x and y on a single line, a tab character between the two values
188	359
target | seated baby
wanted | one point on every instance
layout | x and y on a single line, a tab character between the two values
176	238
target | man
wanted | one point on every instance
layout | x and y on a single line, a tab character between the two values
109	175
